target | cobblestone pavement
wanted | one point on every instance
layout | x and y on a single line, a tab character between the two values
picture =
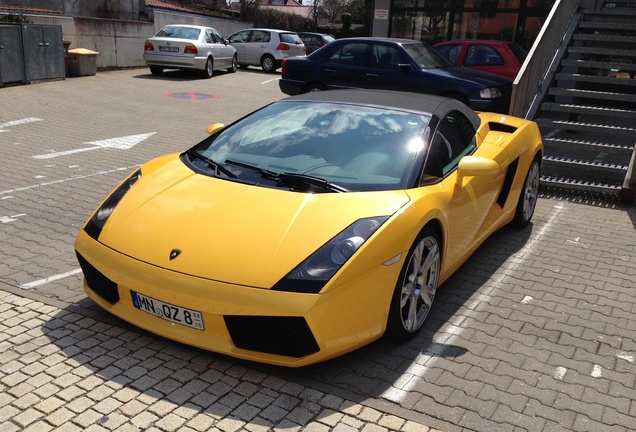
534	333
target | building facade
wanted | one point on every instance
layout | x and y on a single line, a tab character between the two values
434	21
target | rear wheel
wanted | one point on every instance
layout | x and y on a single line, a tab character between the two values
528	197
156	70
268	63
314	87
234	66
416	287
209	68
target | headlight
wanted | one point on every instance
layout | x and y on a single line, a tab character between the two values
97	222
491	93
313	273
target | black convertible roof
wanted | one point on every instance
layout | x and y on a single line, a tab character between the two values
417	102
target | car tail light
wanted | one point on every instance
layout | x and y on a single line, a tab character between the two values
190	49
148	46
283	70
282	47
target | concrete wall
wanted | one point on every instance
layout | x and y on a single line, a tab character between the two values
113	9
120	43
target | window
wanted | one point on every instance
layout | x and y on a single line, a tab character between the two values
385	57
240	36
482	55
453	139
451	52
259	36
351	54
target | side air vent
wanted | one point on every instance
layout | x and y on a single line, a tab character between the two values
99	283
500	127
287	336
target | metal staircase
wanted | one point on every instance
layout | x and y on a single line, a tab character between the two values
588	117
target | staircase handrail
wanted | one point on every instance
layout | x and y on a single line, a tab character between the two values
530	84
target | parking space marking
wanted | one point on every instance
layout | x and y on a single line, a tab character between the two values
7	219
269	81
449	331
50	279
121	143
18	122
23	188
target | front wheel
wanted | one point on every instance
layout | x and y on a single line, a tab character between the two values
268	64
528	197
416	287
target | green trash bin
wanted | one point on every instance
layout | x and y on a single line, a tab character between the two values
82	62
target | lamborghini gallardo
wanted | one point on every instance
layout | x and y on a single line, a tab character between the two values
312	226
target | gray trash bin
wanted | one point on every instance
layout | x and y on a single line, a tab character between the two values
82	62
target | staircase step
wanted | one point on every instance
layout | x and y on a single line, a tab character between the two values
601	51
585	127
574	143
631	67
586	171
605	25
578	185
592	94
629	82
589	109
621	39
626	12
585	164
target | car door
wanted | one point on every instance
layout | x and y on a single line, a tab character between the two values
473	197
239	41
385	69
220	51
256	45
345	66
487	59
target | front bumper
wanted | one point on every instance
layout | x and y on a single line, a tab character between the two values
281	328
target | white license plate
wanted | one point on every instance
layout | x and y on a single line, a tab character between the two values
167	311
168	49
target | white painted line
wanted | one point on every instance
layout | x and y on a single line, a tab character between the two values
8	191
559	373
122	143
63	153
625	356
269	81
597	372
19	122
450	331
50	279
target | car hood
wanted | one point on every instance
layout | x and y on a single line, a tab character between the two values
470	75
228	231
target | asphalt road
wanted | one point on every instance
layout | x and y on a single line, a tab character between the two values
535	332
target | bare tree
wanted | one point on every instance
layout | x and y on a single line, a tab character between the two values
333	9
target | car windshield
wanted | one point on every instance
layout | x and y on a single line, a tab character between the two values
179	32
426	56
346	146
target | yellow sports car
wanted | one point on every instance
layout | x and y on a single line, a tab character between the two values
310	227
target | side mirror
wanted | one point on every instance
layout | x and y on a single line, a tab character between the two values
214	128
476	166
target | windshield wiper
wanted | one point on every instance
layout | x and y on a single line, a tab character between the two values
264	172
307	180
290	178
213	165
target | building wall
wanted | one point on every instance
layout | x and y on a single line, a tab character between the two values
120	43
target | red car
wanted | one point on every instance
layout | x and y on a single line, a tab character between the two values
497	57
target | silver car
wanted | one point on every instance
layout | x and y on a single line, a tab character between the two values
266	48
190	47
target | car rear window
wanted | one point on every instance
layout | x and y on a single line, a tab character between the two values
292	38
179	33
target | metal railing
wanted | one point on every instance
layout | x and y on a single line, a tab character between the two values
532	81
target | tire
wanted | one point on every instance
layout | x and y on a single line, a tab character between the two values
209	68
156	70
234	66
268	64
416	287
528	196
314	87
243	66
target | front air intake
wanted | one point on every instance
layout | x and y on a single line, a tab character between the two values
287	336
97	282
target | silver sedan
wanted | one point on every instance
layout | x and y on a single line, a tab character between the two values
189	47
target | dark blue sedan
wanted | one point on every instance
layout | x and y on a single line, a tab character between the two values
393	64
